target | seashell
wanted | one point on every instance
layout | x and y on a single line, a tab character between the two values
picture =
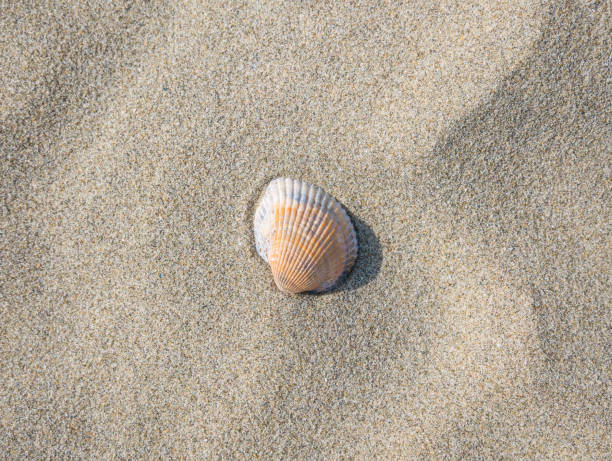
305	235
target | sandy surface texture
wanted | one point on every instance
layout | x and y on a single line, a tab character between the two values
470	142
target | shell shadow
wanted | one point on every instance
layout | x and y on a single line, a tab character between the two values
369	258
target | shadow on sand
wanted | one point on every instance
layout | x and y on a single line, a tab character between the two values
369	258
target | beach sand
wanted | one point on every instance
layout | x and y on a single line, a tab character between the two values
470	142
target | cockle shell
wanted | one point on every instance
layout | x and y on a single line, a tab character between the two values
305	235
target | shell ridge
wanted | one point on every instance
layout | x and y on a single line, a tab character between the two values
282	210
335	239
283	244
314	197
287	222
323	230
270	227
330	246
320	248
299	238
305	263
295	225
273	192
339	269
304	269
353	246
347	239
315	194
277	222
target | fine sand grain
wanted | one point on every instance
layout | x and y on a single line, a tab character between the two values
469	141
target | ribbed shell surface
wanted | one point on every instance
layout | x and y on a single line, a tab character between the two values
305	236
